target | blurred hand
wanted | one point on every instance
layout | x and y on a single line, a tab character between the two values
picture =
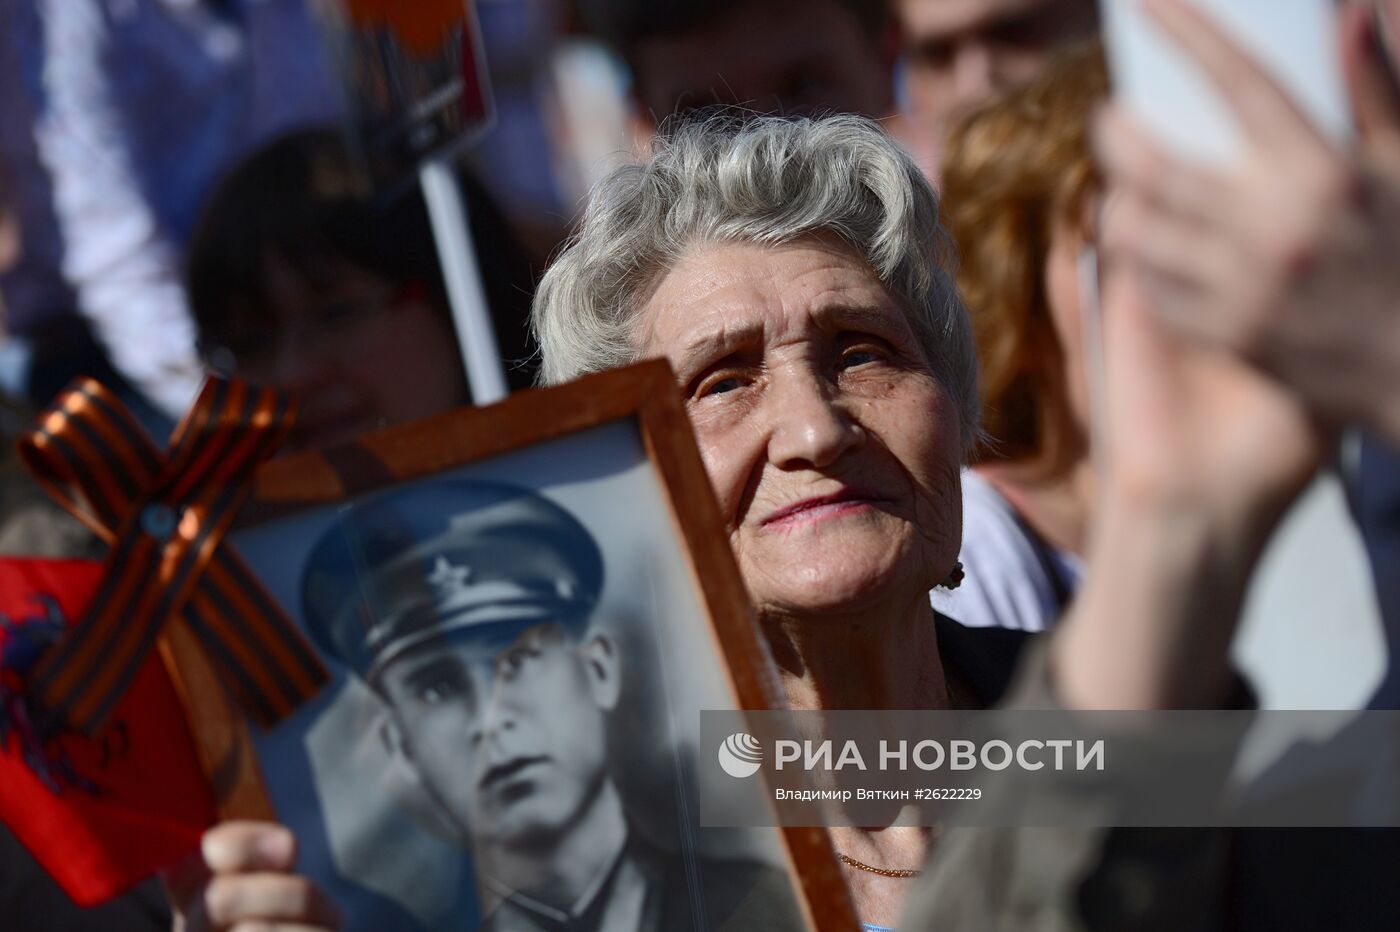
1192	429
1203	453
243	882
1291	257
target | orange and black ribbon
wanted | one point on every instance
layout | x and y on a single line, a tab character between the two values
164	516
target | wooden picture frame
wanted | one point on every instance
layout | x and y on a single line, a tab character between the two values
302	487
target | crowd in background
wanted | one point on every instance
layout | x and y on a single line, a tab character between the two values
120	119
173	201
176	197
152	152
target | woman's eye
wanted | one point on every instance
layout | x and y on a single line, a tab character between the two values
719	386
861	356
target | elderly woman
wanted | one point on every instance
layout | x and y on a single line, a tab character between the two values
792	273
795	275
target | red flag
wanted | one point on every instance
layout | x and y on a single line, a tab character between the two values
100	813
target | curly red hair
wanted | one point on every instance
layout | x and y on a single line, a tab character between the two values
1015	170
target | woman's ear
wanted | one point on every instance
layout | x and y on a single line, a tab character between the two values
600	662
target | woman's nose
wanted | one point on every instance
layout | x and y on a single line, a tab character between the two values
810	426
974	71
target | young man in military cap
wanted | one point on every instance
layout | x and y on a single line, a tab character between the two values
467	607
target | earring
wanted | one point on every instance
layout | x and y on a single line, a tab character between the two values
955	576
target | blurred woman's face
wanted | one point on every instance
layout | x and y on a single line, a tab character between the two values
832	448
357	352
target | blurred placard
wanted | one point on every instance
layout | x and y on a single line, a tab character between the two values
414	75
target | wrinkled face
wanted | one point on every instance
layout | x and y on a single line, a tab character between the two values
511	740
832	447
957	52
357	352
794	56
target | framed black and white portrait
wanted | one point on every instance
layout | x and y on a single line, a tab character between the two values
525	608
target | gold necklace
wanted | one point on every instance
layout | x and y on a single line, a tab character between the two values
882	871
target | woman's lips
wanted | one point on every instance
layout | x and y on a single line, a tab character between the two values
821	507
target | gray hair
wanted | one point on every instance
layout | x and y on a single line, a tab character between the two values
764	180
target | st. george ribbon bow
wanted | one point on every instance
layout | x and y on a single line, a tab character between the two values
164	516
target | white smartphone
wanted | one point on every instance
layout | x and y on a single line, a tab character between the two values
1296	40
